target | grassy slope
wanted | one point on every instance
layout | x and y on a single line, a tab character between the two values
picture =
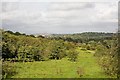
61	68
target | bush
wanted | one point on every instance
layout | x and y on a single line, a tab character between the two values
108	58
72	55
8	70
28	48
80	71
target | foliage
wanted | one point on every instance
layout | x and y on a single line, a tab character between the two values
17	47
8	70
108	56
80	71
29	48
62	68
72	55
83	37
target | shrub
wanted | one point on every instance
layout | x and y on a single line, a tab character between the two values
72	55
108	58
80	71
8	70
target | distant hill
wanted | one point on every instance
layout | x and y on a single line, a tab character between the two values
77	37
83	37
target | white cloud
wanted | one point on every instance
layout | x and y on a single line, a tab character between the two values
106	12
70	6
59	17
60	0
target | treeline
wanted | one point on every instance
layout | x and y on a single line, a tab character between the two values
84	37
107	55
29	48
17	33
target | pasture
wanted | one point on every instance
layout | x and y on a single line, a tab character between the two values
86	66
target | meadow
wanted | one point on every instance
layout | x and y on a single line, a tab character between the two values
59	56
86	65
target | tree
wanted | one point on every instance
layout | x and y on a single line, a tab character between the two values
17	33
72	55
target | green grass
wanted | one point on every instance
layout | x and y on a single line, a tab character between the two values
61	68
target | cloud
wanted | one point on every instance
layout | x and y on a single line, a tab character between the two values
61	0
70	6
11	6
64	17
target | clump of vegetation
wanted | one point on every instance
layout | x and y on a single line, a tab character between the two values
80	71
8	70
25	48
59	71
72	55
107	54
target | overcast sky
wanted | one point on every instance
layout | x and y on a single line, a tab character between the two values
60	17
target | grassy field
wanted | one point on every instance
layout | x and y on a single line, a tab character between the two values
86	65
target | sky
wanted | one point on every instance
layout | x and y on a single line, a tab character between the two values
60	17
